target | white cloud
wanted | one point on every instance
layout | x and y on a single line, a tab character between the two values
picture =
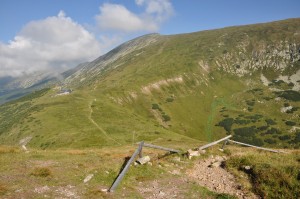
54	43
161	10
117	17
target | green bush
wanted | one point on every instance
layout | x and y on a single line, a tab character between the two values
155	107
270	141
289	95
272	131
290	123
284	137
262	128
297	138
166	118
245	131
226	124
170	99
270	122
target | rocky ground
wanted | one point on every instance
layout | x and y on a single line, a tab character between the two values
208	172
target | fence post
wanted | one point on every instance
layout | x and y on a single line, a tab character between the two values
141	150
124	171
224	144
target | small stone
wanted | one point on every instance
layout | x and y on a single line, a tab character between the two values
143	160
247	168
160	193
88	178
215	164
104	190
192	153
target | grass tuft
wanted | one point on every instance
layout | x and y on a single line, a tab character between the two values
41	172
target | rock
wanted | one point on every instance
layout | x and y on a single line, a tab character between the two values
247	168
202	151
88	178
192	153
161	193
143	160
216	164
104	190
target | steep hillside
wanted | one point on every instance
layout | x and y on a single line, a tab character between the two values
243	81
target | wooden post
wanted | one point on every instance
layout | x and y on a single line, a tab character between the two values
141	151
262	148
224	144
214	143
161	148
124	171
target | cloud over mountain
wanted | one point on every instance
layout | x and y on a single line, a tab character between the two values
117	17
54	43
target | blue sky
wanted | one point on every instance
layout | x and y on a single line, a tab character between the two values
59	34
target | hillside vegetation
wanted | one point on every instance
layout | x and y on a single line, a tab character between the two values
239	80
178	91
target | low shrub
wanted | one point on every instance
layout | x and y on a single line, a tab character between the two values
272	131
270	122
226	124
289	95
245	131
270	141
169	99
166	118
290	123
41	172
284	137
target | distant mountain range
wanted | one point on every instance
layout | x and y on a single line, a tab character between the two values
242	80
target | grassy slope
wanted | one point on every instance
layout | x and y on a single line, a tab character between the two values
78	141
59	173
112	109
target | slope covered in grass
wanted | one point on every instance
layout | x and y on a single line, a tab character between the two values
242	81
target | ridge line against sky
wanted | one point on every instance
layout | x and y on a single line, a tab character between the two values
59	34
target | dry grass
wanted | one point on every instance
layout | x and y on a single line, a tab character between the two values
3	189
9	149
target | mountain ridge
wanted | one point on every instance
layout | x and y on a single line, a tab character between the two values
200	85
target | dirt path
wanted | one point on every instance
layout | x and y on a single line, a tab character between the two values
209	173
206	173
99	127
